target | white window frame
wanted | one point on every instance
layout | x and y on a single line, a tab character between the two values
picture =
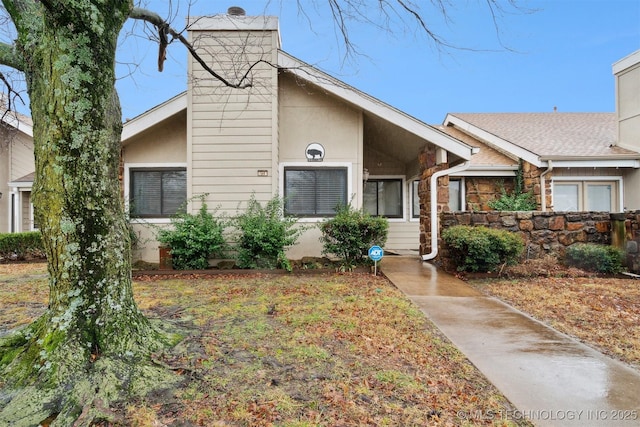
463	192
405	198
618	180
32	221
127	189
412	200
312	165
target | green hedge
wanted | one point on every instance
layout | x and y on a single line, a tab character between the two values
482	249
592	257
20	246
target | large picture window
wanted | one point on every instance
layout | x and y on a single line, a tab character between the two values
383	197
314	192
158	192
598	196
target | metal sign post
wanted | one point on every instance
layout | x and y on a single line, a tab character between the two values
375	253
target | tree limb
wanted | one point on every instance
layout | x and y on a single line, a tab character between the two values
9	57
165	29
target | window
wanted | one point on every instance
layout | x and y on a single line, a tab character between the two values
415	209
314	192
585	196
455	195
383	197
157	193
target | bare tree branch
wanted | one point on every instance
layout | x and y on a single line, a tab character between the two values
165	29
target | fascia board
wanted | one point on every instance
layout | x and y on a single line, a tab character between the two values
489	171
494	141
10	119
224	22
592	163
626	62
20	184
373	106
154	116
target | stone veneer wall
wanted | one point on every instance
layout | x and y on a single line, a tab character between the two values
551	232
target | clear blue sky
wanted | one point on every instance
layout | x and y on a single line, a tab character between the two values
561	56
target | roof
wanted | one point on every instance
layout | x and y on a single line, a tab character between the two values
488	161
17	120
372	105
154	116
539	137
329	84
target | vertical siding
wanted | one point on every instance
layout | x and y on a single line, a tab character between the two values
26	211
232	132
22	161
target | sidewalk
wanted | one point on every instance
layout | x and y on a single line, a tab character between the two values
551	378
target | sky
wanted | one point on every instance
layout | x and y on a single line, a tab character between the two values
548	54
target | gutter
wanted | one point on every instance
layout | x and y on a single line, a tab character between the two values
543	186
434	206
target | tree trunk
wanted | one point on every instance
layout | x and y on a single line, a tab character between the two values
92	344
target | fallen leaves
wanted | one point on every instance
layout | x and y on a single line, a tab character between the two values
601	312
328	349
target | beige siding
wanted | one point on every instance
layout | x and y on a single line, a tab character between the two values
586	172
631	184
22	161
308	116
164	143
231	132
26	212
403	236
5	200
628	102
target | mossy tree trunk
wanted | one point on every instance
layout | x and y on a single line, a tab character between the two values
92	346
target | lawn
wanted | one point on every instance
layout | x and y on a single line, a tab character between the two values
291	350
602	312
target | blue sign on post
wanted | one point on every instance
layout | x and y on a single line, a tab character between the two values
376	253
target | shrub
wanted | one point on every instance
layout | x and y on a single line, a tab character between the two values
518	200
193	239
20	246
265	234
592	257
482	249
514	202
351	233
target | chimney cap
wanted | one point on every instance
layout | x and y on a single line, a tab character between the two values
236	11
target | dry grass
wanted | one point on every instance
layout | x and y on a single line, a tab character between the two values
602	312
296	350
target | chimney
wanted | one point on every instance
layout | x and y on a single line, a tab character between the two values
236	11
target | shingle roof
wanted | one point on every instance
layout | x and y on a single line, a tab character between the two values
554	134
487	155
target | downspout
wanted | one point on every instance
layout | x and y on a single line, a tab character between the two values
434	206
543	187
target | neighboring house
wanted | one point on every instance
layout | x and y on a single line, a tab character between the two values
572	158
296	132
16	173
570	161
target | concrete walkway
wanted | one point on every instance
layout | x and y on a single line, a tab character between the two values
551	378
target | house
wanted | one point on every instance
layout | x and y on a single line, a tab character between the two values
16	173
295	132
299	133
569	161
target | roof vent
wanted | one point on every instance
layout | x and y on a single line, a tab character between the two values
236	11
